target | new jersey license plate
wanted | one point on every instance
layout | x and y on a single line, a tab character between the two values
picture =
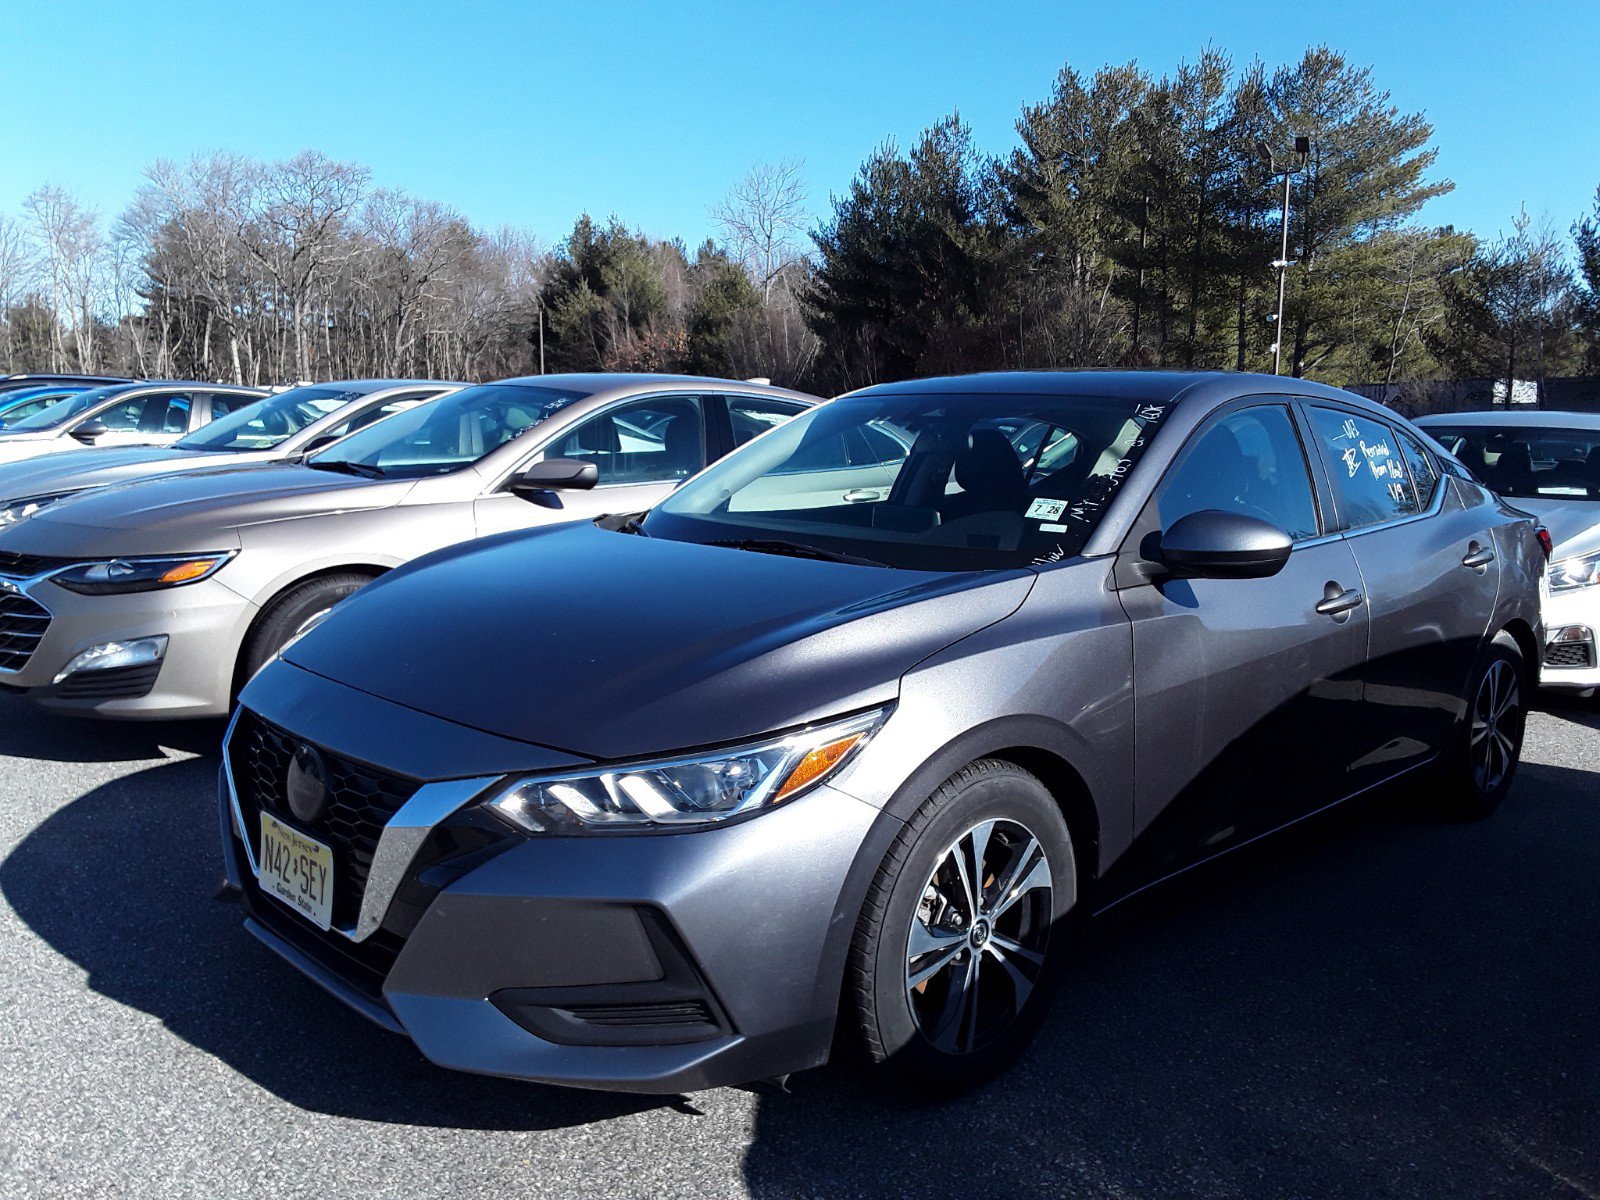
297	870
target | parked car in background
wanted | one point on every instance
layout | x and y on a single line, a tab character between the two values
25	401
159	597
121	414
1547	463
283	426
649	804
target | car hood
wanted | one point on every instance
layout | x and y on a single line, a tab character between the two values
73	469
172	511
614	646
1574	525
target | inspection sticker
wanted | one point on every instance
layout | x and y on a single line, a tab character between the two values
1046	510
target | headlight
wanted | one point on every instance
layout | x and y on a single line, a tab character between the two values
1580	571
21	510
138	574
684	792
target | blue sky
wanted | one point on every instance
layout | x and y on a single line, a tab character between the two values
529	114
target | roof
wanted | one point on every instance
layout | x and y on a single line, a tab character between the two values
1152	385
602	381
1539	418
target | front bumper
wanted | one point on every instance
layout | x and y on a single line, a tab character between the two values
204	622
1571	666
650	963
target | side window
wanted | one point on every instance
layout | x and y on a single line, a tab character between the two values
1249	462
223	403
659	440
1367	466
161	412
1424	471
752	416
857	446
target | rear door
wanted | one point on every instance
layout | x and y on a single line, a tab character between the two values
1242	686
642	449
1430	574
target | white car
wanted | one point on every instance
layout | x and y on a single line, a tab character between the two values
1548	464
122	414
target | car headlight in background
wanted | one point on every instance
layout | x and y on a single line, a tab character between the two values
1582	570
21	510
115	575
683	792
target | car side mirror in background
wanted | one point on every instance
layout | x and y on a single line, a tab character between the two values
90	432
1212	544
535	480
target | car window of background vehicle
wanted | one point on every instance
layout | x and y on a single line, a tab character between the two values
648	441
1529	461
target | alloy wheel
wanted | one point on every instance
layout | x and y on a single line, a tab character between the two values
1494	713
976	946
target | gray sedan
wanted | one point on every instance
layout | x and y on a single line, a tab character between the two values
287	425
665	803
158	598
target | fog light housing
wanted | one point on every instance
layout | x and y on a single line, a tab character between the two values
1571	633
136	652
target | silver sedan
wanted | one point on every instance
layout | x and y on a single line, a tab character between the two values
159	598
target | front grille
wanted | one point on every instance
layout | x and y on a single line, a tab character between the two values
361	801
111	683
26	566
23	622
1569	654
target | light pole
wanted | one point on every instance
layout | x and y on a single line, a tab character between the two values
1302	147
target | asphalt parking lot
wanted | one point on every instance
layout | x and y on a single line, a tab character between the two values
1383	1005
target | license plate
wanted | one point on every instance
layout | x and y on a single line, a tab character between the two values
297	870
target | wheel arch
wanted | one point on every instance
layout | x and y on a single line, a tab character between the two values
371	570
1034	744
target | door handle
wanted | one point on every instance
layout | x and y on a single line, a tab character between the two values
1337	601
1478	557
860	495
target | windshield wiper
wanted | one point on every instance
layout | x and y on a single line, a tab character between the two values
365	470
796	550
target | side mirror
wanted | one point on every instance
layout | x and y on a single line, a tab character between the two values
1212	544
90	432
553	475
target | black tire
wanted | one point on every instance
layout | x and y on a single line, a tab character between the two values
285	615
919	1038
1477	771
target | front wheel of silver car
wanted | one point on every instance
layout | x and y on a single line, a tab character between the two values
961	941
291	612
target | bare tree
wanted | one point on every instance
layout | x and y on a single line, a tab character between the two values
763	219
16	275
71	250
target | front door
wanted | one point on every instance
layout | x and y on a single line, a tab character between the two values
1242	687
642	450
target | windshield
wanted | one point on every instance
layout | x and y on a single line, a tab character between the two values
1529	461
924	482
266	423
448	433
62	411
23	402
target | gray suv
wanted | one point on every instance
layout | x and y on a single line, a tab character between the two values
159	597
851	728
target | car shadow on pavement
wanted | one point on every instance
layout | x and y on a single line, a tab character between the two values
1381	1003
122	883
28	732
